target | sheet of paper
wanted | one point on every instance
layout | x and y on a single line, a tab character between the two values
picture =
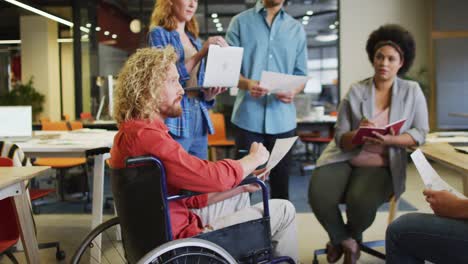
280	149
429	176
280	82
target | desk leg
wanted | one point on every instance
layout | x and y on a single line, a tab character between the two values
98	194
28	237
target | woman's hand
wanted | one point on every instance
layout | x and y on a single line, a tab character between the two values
210	93
383	140
444	203
217	40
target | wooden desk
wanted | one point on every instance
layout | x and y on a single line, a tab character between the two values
445	154
12	184
76	144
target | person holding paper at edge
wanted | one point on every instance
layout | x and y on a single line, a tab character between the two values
367	175
272	41
173	23
440	238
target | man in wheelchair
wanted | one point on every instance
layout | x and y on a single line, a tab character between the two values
147	92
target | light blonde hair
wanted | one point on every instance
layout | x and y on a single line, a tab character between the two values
163	15
137	94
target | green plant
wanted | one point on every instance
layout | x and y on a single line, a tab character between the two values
24	94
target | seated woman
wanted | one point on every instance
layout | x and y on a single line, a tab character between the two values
365	176
439	238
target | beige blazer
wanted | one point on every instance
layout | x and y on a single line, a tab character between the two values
407	102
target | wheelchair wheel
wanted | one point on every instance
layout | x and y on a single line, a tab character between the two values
111	250
190	250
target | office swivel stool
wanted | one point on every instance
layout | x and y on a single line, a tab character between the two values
219	138
10	229
62	164
142	204
368	247
317	144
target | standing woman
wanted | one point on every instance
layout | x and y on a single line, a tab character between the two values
366	176
173	23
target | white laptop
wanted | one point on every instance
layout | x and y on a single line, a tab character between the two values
222	67
15	123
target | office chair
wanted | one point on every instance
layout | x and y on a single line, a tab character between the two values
61	165
314	145
142	204
218	139
368	247
9	226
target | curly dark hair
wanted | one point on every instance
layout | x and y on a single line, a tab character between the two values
398	35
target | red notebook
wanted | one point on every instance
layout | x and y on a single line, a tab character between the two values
358	139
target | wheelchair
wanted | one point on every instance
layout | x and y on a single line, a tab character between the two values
142	205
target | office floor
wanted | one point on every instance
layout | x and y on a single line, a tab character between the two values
69	229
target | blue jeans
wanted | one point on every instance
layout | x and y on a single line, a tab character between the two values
415	237
197	143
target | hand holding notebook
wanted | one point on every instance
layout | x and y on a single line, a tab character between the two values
365	131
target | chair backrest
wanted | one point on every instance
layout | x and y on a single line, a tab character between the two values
62	125
86	116
13	152
9	227
139	195
219	126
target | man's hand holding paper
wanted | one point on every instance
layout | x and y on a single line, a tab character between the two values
285	85
280	149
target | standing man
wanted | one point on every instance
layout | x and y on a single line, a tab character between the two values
272	41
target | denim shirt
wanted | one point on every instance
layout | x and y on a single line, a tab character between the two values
179	126
280	48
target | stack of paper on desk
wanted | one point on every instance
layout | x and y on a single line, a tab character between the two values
279	82
429	176
280	149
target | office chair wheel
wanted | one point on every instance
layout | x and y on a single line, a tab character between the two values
190	250
111	250
315	261
60	254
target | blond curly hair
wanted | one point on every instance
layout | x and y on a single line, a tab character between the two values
137	94
163	16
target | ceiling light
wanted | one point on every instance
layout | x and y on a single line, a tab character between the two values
305	18
216	20
85	36
332	26
326	38
135	26
44	14
88	25
336	23
220	29
310	12
305	22
214	15
98	28
65	40
106	33
114	36
10	41
219	25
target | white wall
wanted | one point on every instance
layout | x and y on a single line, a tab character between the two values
358	18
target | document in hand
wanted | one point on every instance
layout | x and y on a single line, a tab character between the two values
280	82
368	131
429	176
280	149
222	67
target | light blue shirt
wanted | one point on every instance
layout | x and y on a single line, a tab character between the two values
280	48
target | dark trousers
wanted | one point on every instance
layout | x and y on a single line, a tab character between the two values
279	176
